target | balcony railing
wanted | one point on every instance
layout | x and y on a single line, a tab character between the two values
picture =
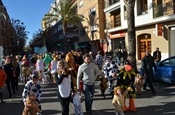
113	24
110	2
164	9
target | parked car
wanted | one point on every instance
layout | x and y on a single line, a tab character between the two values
166	71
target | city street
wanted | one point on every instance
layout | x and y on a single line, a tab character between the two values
161	104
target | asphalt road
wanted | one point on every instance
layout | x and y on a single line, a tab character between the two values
163	103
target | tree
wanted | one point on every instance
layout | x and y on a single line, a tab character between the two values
92	21
130	4
19	36
36	40
65	11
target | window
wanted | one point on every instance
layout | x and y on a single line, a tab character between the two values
142	7
125	13
169	62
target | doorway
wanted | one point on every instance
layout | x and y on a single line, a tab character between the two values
144	43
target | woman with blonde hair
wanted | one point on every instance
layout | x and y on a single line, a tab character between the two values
65	87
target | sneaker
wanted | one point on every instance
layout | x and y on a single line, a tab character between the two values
146	89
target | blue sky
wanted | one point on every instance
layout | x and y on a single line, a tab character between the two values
30	12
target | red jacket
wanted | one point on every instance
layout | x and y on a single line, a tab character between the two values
3	77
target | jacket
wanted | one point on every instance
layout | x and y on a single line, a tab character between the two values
3	77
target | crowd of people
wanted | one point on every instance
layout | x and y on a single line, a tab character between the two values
75	74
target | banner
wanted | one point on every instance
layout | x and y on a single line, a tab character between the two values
41	50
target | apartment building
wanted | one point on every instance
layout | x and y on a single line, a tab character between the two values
6	31
54	33
154	22
92	30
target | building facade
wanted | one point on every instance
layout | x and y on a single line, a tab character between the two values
92	28
154	22
6	31
54	31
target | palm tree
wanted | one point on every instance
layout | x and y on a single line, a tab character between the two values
65	11
130	4
91	21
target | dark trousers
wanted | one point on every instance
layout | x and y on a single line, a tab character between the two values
148	81
10	83
64	104
16	81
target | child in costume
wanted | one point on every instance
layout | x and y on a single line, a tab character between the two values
32	87
126	78
77	104
31	107
118	99
139	83
103	85
110	72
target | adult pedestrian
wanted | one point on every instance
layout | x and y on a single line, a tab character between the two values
88	72
147	66
16	71
10	81
3	77
53	68
33	88
40	69
65	86
157	55
99	60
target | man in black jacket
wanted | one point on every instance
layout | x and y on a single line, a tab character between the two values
157	55
147	66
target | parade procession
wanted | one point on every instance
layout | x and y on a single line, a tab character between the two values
88	57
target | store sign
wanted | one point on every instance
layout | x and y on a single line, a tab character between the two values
159	29
117	35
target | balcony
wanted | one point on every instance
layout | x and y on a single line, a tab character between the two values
164	9
113	24
110	2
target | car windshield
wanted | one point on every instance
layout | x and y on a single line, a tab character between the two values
169	62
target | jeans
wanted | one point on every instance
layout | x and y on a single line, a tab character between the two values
89	93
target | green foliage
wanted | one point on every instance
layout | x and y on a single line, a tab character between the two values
19	35
65	11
